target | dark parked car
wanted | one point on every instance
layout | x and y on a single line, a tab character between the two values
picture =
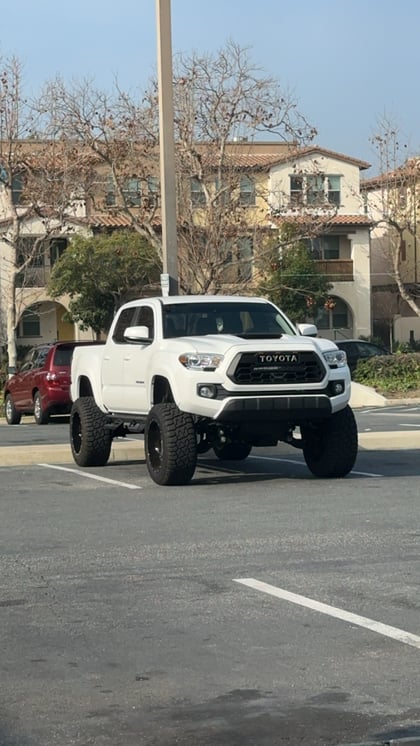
42	384
358	349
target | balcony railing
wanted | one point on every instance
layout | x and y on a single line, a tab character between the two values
33	277
337	270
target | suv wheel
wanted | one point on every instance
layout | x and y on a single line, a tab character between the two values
40	415
13	417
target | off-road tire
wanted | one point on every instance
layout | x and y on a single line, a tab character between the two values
170	445
90	440
233	451
330	447
40	415
13	417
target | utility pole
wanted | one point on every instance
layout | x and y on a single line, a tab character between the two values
169	278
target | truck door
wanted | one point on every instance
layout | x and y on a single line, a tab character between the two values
136	366
112	361
124	386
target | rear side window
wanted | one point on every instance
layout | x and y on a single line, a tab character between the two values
63	356
39	357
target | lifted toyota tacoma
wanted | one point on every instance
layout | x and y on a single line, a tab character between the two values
227	373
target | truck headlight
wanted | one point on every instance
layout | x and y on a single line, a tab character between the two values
336	358
200	360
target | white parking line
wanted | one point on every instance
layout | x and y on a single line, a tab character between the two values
302	463
346	616
92	476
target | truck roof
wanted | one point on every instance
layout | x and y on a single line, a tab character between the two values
171	299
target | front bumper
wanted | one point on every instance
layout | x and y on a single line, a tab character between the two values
275	409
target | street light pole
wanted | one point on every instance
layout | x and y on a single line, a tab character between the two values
169	278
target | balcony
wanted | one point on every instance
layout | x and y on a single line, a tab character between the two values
337	270
33	277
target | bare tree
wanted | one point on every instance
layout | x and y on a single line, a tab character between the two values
393	201
40	193
220	103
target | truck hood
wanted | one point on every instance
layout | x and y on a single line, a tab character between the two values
224	343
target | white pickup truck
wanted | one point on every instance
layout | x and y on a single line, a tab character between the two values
227	373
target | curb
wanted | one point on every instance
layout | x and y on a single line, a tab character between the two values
61	454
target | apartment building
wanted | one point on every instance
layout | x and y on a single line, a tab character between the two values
275	183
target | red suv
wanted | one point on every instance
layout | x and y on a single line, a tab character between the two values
42	385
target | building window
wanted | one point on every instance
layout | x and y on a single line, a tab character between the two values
152	191
222	193
296	190
333	185
32	261
334	315
29	325
246	191
57	249
238	261
110	192
198	196
315	189
325	247
17	188
132	192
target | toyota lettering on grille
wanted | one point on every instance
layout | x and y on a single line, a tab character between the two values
270	358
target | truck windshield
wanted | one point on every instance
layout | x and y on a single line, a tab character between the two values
242	319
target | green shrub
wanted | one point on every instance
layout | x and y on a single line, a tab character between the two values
390	373
413	346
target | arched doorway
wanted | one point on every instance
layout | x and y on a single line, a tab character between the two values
335	319
44	322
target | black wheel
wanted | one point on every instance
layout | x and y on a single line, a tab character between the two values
170	445
89	438
13	417
233	451
41	416
330	448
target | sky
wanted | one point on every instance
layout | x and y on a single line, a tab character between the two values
347	65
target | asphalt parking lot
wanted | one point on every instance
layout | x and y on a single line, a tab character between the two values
256	606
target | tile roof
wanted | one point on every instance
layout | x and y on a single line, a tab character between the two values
405	174
109	220
350	220
293	153
320	220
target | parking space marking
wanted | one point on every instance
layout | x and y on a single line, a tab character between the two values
92	476
302	463
346	616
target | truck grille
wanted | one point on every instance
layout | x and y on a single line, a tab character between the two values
277	368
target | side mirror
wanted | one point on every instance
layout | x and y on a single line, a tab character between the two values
308	330
137	334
